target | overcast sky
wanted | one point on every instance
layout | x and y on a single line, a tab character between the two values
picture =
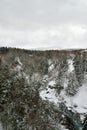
43	23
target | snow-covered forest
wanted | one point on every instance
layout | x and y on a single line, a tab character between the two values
43	90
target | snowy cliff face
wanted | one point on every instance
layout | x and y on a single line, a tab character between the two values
31	81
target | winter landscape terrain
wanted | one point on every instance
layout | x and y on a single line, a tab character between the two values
43	90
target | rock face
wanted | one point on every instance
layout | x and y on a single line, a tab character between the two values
43	90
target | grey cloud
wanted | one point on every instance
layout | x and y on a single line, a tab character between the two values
26	12
43	23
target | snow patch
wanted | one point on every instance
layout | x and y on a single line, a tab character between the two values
26	77
49	93
70	63
1	127
49	62
18	68
51	67
81	99
51	83
78	102
18	60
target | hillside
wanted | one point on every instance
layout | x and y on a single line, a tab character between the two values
43	90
